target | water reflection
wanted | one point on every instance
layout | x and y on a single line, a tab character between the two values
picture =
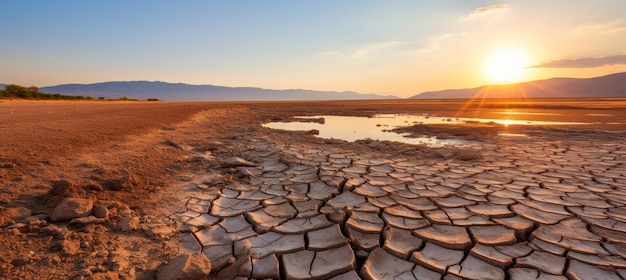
529	113
361	128
600	115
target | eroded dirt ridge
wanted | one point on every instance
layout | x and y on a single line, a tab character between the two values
527	210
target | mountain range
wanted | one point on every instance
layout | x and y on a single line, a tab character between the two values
186	92
613	85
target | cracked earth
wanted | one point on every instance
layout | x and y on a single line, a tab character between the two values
166	186
540	208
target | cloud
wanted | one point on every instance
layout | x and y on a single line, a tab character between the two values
325	53
586	62
605	27
489	10
434	43
371	50
364	51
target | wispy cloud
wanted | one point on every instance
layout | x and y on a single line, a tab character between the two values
372	50
586	62
364	51
604	27
485	11
435	42
324	53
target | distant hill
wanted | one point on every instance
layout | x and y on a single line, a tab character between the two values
186	92
613	85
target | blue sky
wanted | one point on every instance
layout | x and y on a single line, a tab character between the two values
390	47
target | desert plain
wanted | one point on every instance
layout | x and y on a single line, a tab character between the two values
202	190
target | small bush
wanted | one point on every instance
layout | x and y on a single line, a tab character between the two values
17	91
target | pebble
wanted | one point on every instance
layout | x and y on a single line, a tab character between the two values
70	208
128	224
185	267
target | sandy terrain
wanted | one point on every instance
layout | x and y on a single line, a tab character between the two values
170	178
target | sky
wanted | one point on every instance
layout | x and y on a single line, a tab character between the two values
397	47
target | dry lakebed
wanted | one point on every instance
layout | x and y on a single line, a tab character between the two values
389	189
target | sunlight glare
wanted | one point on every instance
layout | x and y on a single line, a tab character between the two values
506	66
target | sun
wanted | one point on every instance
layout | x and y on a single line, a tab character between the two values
506	66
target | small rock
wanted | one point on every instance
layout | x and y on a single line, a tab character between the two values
117	208
86	220
118	184
95	187
57	231
211	178
197	157
66	188
34	221
70	208
15	213
128	224
19	262
185	267
100	211
237	161
443	153
17	225
468	155
159	231
54	259
9	216
213	145
85	245
174	143
186	178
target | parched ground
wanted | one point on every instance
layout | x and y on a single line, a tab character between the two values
175	178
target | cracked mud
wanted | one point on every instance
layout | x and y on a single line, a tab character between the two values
543	208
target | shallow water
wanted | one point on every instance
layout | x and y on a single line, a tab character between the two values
350	128
361	128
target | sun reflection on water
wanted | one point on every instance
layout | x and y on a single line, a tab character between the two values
350	128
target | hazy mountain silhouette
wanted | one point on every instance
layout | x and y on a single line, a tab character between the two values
186	92
613	85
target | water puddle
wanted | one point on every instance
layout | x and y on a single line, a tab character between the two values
529	113
361	128
513	134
